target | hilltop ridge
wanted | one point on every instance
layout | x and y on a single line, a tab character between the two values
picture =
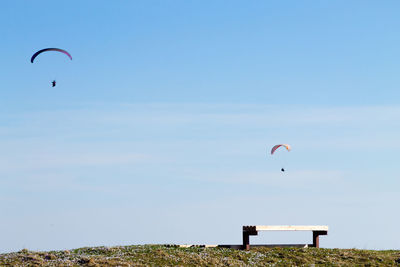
172	255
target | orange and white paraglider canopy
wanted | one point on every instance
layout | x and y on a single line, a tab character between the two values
278	146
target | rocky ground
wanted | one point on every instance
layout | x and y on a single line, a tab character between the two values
169	255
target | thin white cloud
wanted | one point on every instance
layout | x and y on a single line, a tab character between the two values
100	135
222	113
291	179
39	160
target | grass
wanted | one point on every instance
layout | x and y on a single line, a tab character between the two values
164	255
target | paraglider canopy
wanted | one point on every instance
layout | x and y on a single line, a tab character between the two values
50	49
278	146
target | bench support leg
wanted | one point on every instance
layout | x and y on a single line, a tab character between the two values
246	238
316	235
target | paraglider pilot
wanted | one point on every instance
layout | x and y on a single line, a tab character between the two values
53	83
282	169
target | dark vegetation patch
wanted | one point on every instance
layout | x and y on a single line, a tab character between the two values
159	255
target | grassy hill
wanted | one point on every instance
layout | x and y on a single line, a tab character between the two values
159	255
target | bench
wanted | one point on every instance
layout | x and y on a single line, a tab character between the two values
253	230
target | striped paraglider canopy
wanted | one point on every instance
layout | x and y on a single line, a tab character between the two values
288	147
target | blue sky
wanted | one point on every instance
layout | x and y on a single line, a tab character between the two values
158	129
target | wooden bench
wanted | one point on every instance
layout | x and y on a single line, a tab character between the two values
253	230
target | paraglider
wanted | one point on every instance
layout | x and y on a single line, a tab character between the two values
274	148
53	83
